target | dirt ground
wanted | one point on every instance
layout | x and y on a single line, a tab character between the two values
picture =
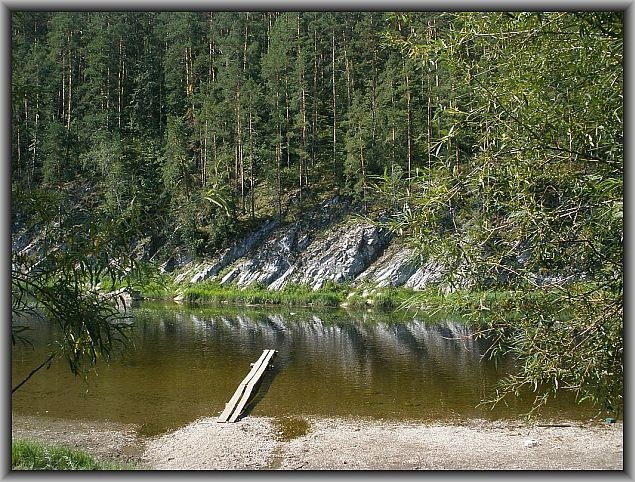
106	440
306	443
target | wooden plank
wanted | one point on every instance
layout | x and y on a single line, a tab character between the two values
250	386
229	407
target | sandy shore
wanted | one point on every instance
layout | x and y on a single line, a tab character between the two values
316	443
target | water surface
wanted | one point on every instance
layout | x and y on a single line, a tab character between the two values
187	362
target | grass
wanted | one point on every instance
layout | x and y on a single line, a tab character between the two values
257	294
31	455
160	287
365	296
150	284
386	298
430	300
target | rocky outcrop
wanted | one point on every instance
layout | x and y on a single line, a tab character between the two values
327	244
395	267
345	254
203	271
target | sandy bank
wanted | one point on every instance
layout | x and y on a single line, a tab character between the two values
261	443
316	443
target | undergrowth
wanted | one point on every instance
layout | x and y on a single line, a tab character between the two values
31	455
258	294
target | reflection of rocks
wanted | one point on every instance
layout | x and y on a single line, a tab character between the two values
351	344
331	361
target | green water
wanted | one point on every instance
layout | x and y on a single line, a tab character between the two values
187	363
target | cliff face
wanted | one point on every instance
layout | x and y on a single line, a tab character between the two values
327	244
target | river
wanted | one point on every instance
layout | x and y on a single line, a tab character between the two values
187	362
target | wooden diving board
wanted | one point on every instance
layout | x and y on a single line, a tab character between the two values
241	396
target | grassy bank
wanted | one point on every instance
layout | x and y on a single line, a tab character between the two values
432	300
330	295
162	286
30	455
257	294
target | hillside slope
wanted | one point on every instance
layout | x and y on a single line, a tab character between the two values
329	243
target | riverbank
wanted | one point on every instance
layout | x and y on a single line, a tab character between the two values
308	443
108	441
431	300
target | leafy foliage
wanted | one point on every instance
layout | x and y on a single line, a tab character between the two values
535	202
77	250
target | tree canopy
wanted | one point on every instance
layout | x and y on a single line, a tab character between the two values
533	198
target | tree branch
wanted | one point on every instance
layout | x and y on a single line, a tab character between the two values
34	371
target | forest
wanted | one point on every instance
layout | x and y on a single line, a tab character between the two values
188	122
491	140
